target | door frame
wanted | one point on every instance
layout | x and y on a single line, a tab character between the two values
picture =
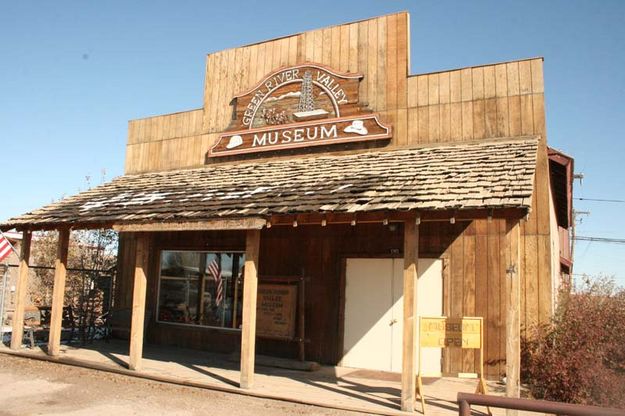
343	278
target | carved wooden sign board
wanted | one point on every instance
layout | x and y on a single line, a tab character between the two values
299	106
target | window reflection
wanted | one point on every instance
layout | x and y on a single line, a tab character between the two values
201	288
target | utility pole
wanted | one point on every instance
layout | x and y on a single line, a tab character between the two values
575	214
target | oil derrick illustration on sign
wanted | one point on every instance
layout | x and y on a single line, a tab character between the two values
296	107
306	108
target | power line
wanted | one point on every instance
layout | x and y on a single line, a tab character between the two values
600	239
592	274
620	201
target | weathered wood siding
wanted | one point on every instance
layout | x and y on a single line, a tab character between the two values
165	142
476	103
313	250
473	281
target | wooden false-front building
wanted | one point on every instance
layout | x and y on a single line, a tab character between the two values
293	212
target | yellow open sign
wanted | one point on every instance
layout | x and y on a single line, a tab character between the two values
444	332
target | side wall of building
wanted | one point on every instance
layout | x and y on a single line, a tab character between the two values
476	103
556	267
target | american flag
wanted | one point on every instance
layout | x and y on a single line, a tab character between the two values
5	247
215	269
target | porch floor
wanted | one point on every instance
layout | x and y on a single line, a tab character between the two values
334	387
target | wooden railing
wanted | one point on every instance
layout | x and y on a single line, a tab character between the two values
465	400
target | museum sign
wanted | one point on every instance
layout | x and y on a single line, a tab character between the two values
300	106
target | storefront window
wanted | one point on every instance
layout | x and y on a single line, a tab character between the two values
201	288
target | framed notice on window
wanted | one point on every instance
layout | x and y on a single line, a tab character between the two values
275	311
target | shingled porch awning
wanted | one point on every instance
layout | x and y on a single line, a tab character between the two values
486	175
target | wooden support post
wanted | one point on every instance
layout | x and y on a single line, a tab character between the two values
301	314
248	329
17	332
58	293
202	289
513	319
138	302
409	349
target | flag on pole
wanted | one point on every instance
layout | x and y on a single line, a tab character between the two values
5	247
215	269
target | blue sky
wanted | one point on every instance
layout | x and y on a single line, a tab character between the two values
73	73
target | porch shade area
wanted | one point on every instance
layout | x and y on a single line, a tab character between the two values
486	175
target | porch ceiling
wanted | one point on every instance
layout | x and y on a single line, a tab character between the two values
485	175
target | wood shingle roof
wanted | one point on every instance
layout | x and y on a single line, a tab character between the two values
484	175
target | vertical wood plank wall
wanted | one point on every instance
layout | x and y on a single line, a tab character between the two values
490	101
164	142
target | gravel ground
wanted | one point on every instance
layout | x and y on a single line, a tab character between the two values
31	387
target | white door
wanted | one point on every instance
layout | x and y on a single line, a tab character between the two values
368	296
374	312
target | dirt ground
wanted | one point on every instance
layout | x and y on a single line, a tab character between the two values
31	387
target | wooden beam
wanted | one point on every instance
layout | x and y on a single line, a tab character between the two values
409	348
58	225
474	214
58	293
286	219
219	224
397	216
138	302
513	318
248	329
17	332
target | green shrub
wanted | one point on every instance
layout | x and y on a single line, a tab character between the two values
580	356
